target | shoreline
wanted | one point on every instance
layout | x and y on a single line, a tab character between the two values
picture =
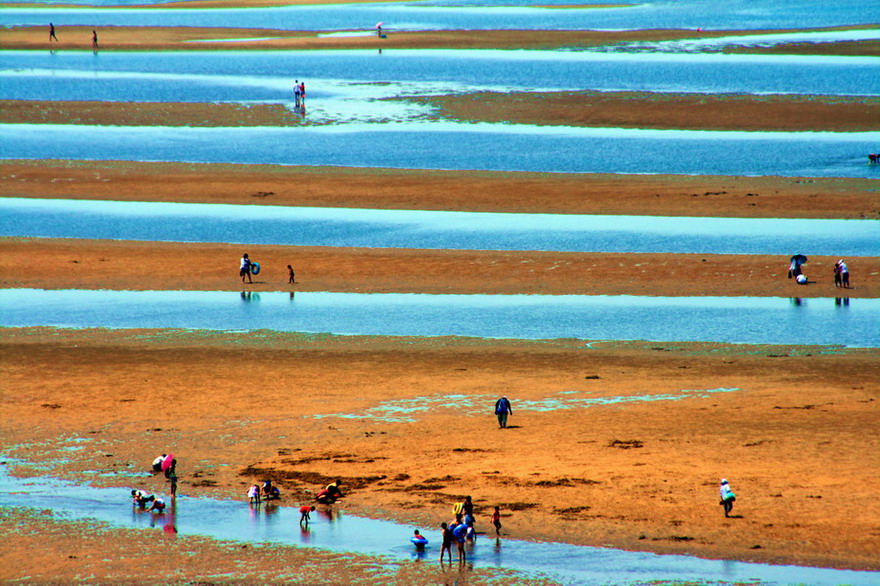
559	474
142	266
154	38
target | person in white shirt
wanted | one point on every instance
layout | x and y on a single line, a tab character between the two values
727	497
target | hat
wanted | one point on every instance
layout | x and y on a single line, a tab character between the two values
723	481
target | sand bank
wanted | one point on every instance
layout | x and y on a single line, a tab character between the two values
796	436
103	264
185	39
476	191
667	110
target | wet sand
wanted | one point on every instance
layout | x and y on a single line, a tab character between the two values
475	191
636	475
103	264
667	110
185	38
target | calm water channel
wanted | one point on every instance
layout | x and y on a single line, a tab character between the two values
338	531
745	320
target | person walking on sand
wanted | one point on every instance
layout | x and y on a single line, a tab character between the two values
837	275
291	277
94	40
244	268
52	33
502	410
727	497
844	273
447	539
496	520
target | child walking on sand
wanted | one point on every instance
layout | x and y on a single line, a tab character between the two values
291	278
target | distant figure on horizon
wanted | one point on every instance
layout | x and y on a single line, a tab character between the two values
94	40
727	497
502	410
291	277
52	33
244	268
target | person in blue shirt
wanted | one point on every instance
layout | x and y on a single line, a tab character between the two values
502	410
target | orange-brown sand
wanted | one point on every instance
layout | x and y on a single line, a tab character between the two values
476	191
662	110
796	437
186	38
103	264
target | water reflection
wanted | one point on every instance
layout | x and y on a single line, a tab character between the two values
841	301
797	301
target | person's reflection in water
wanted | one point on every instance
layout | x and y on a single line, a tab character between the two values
329	513
170	527
305	534
291	296
797	301
838	301
250	296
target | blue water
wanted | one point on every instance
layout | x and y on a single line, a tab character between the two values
739	320
335	530
481	14
345	227
461	147
194	76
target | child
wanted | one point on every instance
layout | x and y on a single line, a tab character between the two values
496	520
459	532
158	506
173	479
291	278
419	540
447	542
254	494
304	514
140	498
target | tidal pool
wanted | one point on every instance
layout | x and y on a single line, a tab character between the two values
335	530
742	320
344	227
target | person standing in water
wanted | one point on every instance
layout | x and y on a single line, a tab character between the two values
502	410
304	512
496	520
52	33
447	539
297	93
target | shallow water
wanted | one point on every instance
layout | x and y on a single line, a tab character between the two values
306	226
490	147
743	320
333	529
477	14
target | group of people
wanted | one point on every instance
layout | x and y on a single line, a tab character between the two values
141	499
53	37
247	267
299	94
461	530
841	274
795	271
268	491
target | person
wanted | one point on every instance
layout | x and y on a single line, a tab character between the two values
297	93
94	40
245	268
330	494
173	479
844	274
727	497
304	512
447	539
837	274
253	494
496	520
470	532
52	33
460	533
302	94
270	491
157	463
158	506
468	510
172	469
502	410
419	540
291	278
140	499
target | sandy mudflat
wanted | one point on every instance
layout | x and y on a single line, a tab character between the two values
79	38
797	438
477	191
